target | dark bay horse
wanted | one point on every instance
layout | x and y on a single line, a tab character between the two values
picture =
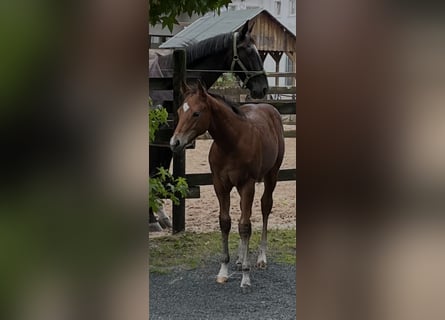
248	147
231	52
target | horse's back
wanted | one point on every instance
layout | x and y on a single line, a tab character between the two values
258	108
264	114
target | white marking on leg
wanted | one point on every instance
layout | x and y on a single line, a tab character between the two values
245	281
239	260
223	274
243	252
185	107
262	261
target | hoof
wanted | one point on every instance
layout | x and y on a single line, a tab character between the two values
261	265
221	279
154	227
246	289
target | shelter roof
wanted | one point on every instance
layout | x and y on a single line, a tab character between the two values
212	25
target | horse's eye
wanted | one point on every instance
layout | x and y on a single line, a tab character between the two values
196	113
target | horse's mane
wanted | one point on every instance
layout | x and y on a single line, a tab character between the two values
204	48
234	106
230	103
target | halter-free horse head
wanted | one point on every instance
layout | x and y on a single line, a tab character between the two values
194	118
248	147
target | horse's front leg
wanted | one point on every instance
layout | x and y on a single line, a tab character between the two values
225	224
247	192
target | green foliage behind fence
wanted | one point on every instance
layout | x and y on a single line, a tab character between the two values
163	185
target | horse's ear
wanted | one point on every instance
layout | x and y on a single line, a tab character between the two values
184	87
201	88
251	26
244	30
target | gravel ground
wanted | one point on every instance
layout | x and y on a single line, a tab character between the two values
196	295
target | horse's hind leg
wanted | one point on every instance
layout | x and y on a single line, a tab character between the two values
270	181
247	192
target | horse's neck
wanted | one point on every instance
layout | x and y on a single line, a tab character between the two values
208	63
217	61
224	124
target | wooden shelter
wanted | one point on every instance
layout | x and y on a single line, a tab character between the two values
271	36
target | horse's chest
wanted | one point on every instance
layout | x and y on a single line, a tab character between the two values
237	170
237	165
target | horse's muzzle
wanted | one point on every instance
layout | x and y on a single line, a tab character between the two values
180	141
258	94
175	144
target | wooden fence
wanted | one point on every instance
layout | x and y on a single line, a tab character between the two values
195	180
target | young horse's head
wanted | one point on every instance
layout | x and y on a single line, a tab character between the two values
246	59
194	118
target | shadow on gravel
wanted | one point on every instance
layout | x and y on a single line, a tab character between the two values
196	295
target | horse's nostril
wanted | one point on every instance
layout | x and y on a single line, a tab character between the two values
174	144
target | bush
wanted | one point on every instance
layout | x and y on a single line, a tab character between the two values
163	185
226	80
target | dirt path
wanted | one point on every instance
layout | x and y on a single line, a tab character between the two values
202	213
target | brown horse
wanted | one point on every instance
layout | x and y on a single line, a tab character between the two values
248	147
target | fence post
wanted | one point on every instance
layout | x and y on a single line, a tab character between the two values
178	158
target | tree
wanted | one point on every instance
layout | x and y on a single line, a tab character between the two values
166	11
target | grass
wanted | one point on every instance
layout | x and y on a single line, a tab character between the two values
188	251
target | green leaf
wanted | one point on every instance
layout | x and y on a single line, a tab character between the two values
163	173
165	11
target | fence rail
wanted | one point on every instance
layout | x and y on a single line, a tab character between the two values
205	179
236	92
